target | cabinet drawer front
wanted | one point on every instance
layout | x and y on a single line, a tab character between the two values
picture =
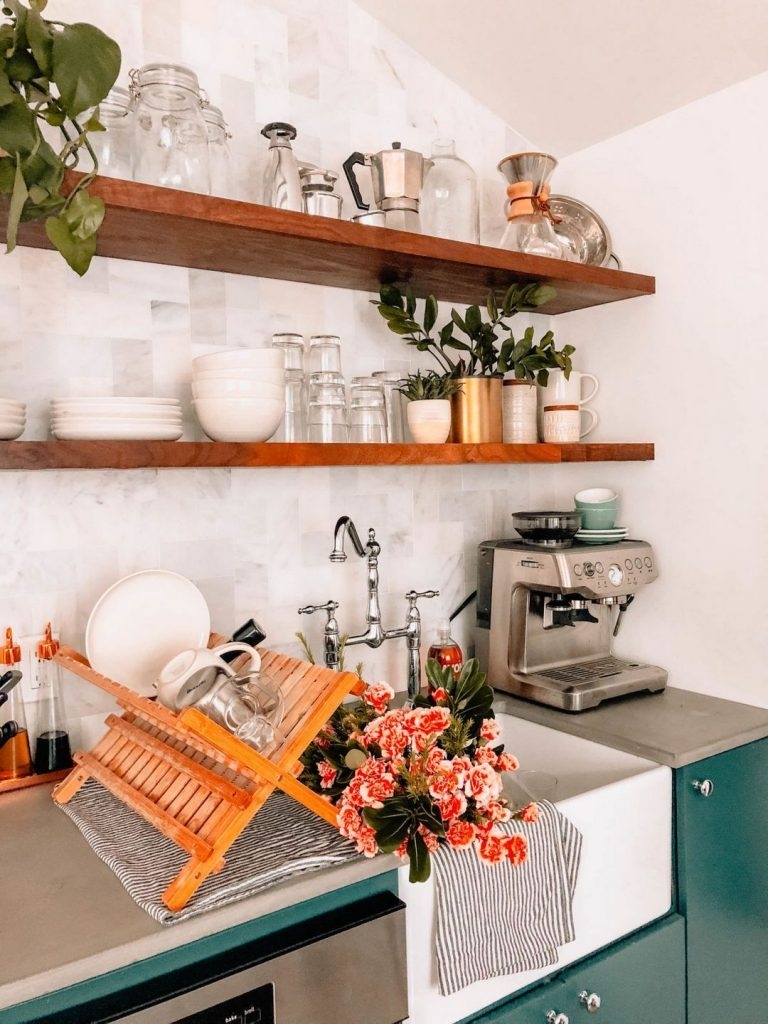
722	868
640	981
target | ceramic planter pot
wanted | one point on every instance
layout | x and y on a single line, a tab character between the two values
477	411
429	421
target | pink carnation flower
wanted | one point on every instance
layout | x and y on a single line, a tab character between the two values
378	696
489	729
327	774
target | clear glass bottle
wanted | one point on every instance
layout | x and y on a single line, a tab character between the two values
52	750
445	650
449	204
170	139
219	161
15	753
114	147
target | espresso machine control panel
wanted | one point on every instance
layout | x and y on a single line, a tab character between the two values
620	568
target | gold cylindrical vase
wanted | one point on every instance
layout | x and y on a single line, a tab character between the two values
476	411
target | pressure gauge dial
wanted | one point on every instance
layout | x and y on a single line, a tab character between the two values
615	574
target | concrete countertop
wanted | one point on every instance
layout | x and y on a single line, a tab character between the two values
674	727
68	918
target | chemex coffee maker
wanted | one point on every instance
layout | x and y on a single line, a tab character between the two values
547	612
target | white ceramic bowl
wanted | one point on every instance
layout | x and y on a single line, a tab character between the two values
12	418
11	405
254	358
239	419
265	376
253	389
10	431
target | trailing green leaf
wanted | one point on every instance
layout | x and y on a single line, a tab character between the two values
86	63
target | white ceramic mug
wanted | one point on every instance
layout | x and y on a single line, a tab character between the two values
560	391
561	424
189	675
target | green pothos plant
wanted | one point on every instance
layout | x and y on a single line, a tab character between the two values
51	74
481	342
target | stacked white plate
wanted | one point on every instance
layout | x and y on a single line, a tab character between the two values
239	394
13	419
611	536
116	419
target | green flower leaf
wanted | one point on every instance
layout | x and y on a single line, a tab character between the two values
40	39
86	63
430	313
18	199
391	823
7	174
77	252
390	296
418	854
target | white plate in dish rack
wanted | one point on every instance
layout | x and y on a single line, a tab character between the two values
143	621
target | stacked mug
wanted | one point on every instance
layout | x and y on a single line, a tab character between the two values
562	416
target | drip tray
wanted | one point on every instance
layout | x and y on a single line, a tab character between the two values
588	671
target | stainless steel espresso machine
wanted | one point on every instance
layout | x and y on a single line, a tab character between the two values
546	620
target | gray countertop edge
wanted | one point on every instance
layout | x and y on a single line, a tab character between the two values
675	728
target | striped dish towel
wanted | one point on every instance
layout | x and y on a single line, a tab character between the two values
495	919
283	840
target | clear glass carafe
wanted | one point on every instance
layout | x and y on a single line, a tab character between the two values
529	217
449	203
219	161
170	139
114	147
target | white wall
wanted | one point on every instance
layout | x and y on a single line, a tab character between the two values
683	197
256	542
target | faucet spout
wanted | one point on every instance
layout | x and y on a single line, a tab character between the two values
345	526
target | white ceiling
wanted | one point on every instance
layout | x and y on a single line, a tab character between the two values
570	73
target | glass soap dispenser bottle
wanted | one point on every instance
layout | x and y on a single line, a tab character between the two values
445	650
52	750
449	206
15	756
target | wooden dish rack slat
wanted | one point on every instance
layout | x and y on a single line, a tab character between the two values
194	781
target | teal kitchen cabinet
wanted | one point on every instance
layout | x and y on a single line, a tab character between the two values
722	876
638	981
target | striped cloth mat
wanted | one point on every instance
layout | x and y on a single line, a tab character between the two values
495	919
283	840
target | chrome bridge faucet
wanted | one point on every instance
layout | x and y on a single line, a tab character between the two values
374	635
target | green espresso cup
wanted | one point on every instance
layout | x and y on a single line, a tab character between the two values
598	506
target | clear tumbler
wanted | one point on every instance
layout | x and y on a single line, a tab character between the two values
328	419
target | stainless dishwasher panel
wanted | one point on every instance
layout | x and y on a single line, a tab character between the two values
356	975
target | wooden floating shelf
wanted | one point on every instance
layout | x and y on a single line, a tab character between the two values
179	454
160	225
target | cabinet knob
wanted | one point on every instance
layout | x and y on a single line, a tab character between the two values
591	1000
705	786
553	1017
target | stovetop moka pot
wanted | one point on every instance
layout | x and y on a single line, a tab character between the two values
397	176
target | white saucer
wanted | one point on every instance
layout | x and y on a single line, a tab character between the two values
133	431
143	621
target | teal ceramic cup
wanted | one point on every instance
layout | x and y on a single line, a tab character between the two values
598	506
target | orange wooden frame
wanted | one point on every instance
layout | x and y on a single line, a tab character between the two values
194	781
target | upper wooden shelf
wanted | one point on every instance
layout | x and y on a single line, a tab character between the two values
179	454
160	225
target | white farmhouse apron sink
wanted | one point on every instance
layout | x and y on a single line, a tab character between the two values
622	805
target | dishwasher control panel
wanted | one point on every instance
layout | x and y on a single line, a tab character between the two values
255	1007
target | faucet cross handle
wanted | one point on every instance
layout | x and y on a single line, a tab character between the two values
413	595
329	607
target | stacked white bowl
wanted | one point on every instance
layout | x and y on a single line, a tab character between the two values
239	394
13	418
113	418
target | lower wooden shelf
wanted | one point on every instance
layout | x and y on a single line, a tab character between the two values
187	454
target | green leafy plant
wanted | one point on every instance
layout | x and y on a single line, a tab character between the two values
489	347
412	779
430	385
51	74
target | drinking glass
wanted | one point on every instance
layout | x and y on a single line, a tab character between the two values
293	350
326	382
294	424
367	424
328	419
393	404
324	353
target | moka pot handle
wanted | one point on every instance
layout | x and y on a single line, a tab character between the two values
349	171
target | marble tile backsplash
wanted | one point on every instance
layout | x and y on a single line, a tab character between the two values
256	542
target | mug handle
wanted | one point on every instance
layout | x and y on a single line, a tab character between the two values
240	648
588	398
594	418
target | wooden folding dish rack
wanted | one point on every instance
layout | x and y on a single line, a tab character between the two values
194	781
